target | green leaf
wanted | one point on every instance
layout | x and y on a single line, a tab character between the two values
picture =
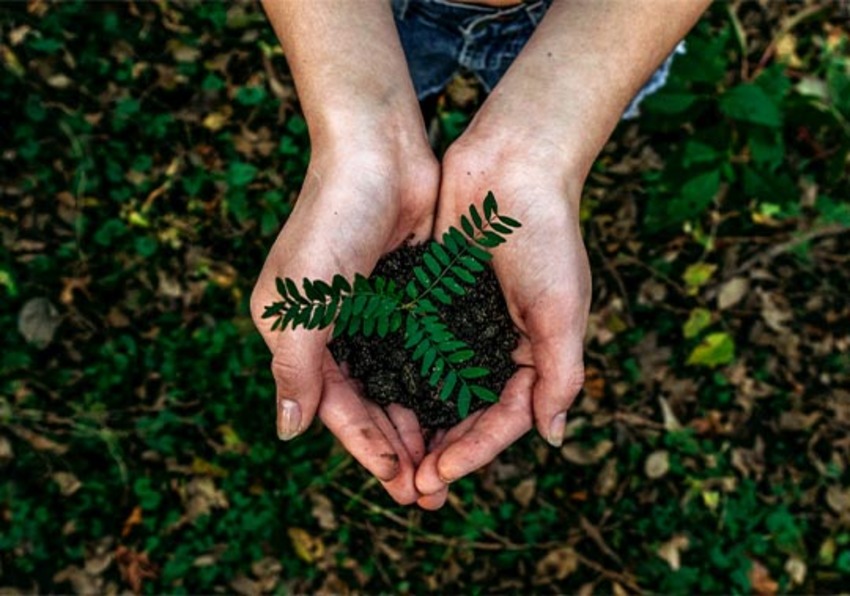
274	309
441	295
339	329
359	304
460	356
368	326
715	350
464	400
413	339
240	174
323	288
502	229
427	361
437	372
281	287
344	311
441	254
452	285
420	350
423	278
474	372
450	243
472	264
340	284
451	346
289	317
478	253
463	274
354	326
448	385
292	289
459	238
699	319
490	206
383	326
476	217
697	275
411	291
395	321
749	103
484	393
361	284
426	306
330	311
467	226
317	317
432	264
310	291
508	221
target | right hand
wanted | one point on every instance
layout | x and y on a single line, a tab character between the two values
356	205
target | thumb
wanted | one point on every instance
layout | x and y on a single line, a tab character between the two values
560	369
297	369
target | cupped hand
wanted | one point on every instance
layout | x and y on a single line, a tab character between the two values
544	275
355	206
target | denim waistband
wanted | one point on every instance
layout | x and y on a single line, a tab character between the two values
472	16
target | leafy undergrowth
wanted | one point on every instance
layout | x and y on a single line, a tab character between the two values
150	153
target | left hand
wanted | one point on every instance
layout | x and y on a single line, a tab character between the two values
544	275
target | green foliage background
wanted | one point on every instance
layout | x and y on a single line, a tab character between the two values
150	153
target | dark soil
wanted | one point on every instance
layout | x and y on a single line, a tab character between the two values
386	369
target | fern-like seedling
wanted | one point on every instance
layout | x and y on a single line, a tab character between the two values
376	305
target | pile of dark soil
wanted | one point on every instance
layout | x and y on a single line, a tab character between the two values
386	369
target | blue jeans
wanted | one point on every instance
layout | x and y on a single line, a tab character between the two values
440	37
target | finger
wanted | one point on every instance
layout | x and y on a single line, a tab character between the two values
434	501
297	363
428	480
346	416
407	426
558	360
401	488
499	427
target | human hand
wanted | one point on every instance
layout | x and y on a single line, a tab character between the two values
356	205
544	275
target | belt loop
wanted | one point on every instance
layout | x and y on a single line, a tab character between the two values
400	8
536	10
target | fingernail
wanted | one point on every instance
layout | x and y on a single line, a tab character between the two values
556	429
288	419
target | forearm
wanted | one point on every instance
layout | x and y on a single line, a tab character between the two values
586	61
348	65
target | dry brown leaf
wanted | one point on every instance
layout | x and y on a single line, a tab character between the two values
657	464
671	550
135	567
796	569
606	482
267	571
323	511
39	442
838	498
81	582
38	321
201	497
245	586
732	292
556	565
133	520
760	580
671	423
524	491
6	452
68	483
586	456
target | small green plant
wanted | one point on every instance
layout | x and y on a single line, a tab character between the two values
379	306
